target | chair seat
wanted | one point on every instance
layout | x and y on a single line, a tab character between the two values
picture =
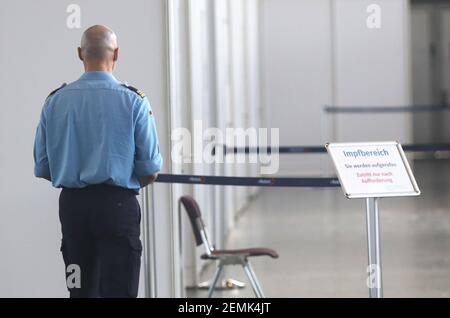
249	252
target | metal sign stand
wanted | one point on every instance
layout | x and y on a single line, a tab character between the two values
355	161
374	279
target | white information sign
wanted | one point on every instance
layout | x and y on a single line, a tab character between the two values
373	170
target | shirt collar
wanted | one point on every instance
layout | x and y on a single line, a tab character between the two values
98	75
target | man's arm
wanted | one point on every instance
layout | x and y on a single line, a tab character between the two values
41	166
148	160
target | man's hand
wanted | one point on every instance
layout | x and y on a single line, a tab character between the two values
145	181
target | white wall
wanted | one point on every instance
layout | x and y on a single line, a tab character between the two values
296	67
320	52
38	54
372	69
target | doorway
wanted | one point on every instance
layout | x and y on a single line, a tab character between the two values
430	45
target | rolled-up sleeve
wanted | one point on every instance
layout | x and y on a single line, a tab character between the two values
41	166
147	159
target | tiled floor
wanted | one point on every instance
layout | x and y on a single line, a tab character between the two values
321	239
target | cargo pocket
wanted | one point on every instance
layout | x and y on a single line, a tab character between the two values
135	264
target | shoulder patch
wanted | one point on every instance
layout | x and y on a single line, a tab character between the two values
54	91
134	89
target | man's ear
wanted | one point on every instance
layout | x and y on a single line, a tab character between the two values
116	54
80	56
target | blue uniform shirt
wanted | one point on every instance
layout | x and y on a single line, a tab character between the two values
96	130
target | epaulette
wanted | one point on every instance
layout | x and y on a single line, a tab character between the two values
134	89
53	92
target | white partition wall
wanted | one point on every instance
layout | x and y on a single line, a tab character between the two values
318	53
239	89
372	68
255	116
38	54
296	53
223	106
201	110
223	86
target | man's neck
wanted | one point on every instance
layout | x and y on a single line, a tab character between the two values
98	68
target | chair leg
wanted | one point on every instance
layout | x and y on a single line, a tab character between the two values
215	279
253	280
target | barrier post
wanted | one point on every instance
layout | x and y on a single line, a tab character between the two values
374	279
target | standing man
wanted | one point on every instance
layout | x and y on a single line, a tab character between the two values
97	141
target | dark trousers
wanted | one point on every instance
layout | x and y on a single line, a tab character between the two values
100	237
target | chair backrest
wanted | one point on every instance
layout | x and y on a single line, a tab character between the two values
195	216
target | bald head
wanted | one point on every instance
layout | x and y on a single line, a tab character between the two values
98	45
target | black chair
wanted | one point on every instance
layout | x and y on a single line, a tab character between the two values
224	257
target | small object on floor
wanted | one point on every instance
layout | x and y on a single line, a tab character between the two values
228	283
